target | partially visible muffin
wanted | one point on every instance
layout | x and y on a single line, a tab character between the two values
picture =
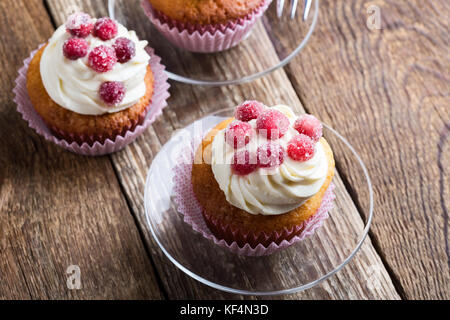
204	12
205	25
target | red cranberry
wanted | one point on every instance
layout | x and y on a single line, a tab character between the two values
238	134
309	125
80	25
272	124
249	110
125	49
106	29
270	155
75	48
102	59
244	163
112	92
301	148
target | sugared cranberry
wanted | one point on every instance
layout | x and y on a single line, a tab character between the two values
102	59
105	29
249	110
238	134
309	125
80	25
112	92
125	49
244	163
270	155
301	148
75	48
272	124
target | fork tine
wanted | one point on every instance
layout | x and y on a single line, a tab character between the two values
307	9
294	5
280	6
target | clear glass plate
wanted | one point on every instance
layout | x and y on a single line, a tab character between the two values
284	38
299	267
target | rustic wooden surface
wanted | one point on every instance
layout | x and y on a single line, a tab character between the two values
395	84
60	209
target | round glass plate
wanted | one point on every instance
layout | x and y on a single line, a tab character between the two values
284	37
300	266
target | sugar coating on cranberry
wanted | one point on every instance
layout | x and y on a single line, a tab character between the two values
244	162
102	59
270	155
105	29
80	25
249	110
238	134
310	126
112	92
125	49
75	48
272	124
301	148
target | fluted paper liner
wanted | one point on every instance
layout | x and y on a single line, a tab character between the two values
204	39
251	244
154	110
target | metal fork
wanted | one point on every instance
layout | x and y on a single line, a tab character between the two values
294	5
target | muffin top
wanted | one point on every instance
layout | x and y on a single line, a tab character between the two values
94	66
205	12
268	161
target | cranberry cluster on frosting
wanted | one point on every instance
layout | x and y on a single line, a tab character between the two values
102	58
302	147
273	125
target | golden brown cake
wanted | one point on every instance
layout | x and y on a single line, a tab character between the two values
205	12
220	214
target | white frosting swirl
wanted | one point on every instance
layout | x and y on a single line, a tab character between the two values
74	85
269	191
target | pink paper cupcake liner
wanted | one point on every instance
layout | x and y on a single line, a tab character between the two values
192	211
204	39
158	103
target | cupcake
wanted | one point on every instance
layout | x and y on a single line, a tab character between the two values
205	25
261	176
92	81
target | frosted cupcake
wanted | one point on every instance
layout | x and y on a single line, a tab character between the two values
92	81
264	174
205	25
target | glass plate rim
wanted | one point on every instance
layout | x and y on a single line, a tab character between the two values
274	292
246	79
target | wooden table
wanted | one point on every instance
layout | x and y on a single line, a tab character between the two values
386	90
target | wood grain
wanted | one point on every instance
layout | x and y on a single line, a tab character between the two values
387	91
189	103
58	209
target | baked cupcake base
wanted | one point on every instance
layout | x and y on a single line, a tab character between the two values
206	12
73	127
233	224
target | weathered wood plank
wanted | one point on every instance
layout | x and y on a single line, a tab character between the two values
388	91
58	209
187	104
